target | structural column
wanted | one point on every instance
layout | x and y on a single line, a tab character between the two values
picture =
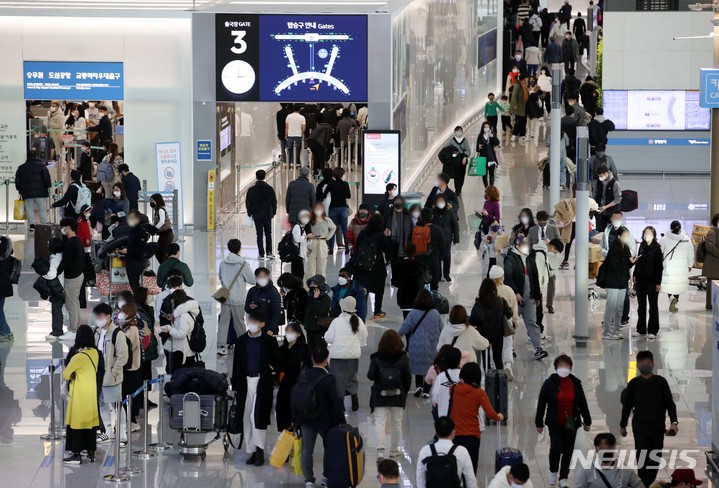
581	241
555	135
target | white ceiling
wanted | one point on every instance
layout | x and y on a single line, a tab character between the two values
197	5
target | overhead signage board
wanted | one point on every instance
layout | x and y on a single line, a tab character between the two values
58	80
291	58
655	110
709	88
381	160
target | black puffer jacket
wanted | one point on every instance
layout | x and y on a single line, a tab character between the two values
488	320
650	264
32	179
616	266
197	380
269	302
381	396
446	219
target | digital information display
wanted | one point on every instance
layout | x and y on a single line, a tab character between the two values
655	110
291	58
51	80
486	48
381	160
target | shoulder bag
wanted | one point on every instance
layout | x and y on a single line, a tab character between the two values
507	324
223	293
411	333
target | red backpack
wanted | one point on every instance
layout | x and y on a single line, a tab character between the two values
421	237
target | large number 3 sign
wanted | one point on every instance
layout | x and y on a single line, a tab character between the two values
240	44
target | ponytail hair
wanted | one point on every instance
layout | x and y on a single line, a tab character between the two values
354	323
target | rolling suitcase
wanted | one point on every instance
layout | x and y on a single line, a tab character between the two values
43	234
497	388
345	457
505	456
198	413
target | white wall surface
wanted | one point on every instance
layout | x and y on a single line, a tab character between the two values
157	58
640	53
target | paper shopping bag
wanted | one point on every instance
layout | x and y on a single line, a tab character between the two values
296	457
18	212
478	166
282	449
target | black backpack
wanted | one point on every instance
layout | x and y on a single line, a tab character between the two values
197	338
364	257
442	469
287	249
128	364
303	399
390	381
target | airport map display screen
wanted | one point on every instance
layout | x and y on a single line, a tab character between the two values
655	110
291	58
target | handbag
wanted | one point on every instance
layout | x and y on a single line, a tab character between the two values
507	327
18	212
14	269
478	166
283	448
601	277
409	334
571	424
296	457
324	322
223	293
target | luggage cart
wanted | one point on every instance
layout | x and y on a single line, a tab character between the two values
191	414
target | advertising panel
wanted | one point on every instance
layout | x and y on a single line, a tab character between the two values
655	110
291	58
381	161
169	174
50	80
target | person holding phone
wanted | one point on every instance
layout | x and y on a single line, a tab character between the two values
647	283
487	141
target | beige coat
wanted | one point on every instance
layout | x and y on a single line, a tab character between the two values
115	357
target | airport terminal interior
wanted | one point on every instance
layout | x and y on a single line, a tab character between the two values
195	96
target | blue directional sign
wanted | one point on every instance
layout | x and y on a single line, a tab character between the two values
709	88
51	80
203	149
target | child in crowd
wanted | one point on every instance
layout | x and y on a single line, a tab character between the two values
506	118
490	253
445	379
54	287
490	112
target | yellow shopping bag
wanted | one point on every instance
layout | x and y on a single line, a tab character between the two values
282	449
296	457
18	212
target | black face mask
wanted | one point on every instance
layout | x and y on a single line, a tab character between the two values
398	206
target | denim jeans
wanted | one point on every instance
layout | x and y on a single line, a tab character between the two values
4	327
294	149
309	438
338	215
283	148
31	204
263	227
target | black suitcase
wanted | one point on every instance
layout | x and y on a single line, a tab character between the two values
198	413
497	388
43	234
345	457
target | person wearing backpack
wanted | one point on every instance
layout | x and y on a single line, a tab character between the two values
150	352
347	287
255	367
76	195
389	371
408	276
450	376
32	182
465	400
429	241
178	352
235	275
111	341
346	336
128	321
514	476
371	271
445	217
443	463
316	408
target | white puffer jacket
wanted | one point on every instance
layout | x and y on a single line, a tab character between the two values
182	326
675	278
343	343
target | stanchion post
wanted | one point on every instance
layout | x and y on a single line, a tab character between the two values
7	207
160	445
117	477
128	469
145	452
53	433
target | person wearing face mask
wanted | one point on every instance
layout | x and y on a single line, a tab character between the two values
490	210
519	62
608	195
339	209
317	311
462	333
613	276
56	293
526	223
514	476
300	195
408	276
72	266
485	147
299	238
294	297
294	359
415	210
521	275
161	220
374	279
69	200
444	216
678	253
79	125
173	263
601	158
131	184
135	260
150	352
460	144
85	162
649	398
488	246
562	408
56	123
347	287
544	230
128	321
599	128
444	444
609	236
32	182
398	227
488	314
429	250
647	283
357	225
255	367
321	229
606	472
103	127
184	314
235	274
442	188
385	205
264	298
518	107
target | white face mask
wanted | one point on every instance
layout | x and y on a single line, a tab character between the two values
603	178
117	194
515	70
518	57
76	114
304	220
63	231
439	184
91	105
415	215
392	193
53	109
120	303
563	372
524	250
342	281
459	135
617	223
253	327
286	290
515	485
121	317
648	238
441	205
318	213
486	130
291	336
524	220
263	281
99	322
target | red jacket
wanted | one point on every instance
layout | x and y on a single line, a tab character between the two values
84	233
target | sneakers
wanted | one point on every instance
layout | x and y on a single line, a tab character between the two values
222	351
552	480
395	453
7	338
380	455
550	309
652	336
418	392
638	335
545	337
135	427
269	256
68	336
625	322
103	438
355	403
309	484
74	459
448	279
259	457
564	265
251	459
425	395
612	336
563	483
379	315
513	138
508	369
52	337
673	308
540	354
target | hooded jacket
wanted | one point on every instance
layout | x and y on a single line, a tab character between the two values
115	355
599	128
381	397
269	302
356	226
229	267
489	321
424	337
182	325
678	255
446	219
316	307
300	196
355	290
465	338
514	265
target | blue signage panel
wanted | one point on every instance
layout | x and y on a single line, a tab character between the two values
49	80
709	88
203	150
639	141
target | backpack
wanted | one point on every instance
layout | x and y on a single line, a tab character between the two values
304	400
128	364
390	382
364	257
442	469
630	201
287	249
197	338
421	238
84	197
